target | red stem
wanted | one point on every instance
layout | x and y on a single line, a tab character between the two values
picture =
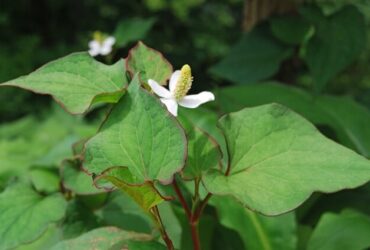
182	199
195	234
193	218
202	206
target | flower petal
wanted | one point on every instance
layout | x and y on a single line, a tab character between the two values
93	44
171	105
158	89
174	79
194	101
110	41
94	48
105	49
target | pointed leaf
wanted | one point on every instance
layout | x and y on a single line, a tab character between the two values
342	114
25	215
76	81
139	134
278	159
149	63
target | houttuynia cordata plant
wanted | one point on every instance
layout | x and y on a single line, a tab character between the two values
156	150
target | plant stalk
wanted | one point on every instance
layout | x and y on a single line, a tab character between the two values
194	214
195	234
181	199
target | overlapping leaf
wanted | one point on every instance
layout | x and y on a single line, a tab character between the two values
76	81
141	135
149	63
348	119
278	159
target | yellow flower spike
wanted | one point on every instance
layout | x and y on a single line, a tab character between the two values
179	85
184	82
98	36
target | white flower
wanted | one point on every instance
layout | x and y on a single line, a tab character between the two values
180	84
100	45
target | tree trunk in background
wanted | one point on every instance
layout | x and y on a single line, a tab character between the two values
258	10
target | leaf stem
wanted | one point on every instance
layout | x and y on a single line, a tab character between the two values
162	229
181	199
201	207
195	234
194	214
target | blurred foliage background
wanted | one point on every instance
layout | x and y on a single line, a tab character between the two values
225	42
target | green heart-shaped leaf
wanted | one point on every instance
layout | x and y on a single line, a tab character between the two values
141	135
347	118
278	159
76	81
149	63
25	215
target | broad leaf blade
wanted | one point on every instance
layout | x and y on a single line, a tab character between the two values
349	119
278	159
139	134
76	81
25	215
149	63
